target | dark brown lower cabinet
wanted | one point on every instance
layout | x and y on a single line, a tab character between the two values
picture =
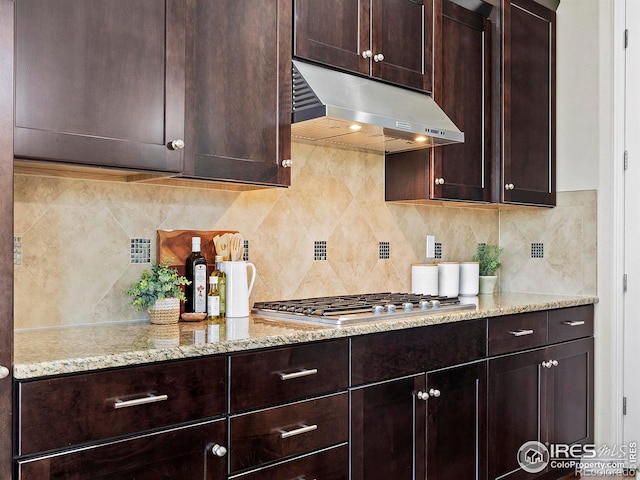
402	429
457	423
330	464
180	453
387	427
543	395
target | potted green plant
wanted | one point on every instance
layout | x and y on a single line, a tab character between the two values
488	258
159	292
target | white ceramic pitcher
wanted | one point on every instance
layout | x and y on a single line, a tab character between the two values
238	287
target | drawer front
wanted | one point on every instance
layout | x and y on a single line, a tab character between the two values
332	464
280	432
404	352
176	453
287	374
570	323
88	407
517	332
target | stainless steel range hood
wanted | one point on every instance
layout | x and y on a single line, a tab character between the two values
363	114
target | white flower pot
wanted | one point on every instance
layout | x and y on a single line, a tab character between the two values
487	284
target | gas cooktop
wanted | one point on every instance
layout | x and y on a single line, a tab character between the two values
366	307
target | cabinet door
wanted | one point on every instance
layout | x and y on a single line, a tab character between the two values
517	406
402	42
456	423
179	454
570	417
238	74
529	103
463	90
99	82
333	32
387	427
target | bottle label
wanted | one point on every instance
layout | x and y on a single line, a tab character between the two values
222	288
213	306
200	289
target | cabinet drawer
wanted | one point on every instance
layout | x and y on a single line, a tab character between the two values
570	323
287	374
280	432
88	407
332	464
517	332
176	453
404	352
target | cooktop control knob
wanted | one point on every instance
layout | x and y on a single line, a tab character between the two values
407	306
424	305
435	303
391	308
378	309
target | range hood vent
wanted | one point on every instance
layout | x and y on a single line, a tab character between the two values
362	114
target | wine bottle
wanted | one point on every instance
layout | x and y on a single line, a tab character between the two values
213	299
222	285
196	272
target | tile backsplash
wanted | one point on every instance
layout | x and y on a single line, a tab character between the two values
76	237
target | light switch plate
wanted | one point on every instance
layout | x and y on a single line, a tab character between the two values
431	246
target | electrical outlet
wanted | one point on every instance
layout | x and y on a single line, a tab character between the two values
431	246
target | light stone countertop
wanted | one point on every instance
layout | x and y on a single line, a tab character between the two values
61	350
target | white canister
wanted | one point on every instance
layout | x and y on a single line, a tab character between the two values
469	275
448	279
424	279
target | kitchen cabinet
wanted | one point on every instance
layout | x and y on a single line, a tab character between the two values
290	404
100	83
160	420
457	422
361	36
544	395
528	97
429	422
185	452
388	431
162	87
238	102
463	87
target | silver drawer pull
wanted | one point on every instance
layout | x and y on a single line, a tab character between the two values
298	431
575	323
521	333
301	373
150	398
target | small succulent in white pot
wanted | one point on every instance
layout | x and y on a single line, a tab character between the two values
488	258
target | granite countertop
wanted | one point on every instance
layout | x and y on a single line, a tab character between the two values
61	350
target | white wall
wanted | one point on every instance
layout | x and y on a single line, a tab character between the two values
585	140
577	94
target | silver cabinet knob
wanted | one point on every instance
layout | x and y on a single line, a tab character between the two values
367	54
509	186
554	363
218	450
378	58
440	181
423	395
287	163
550	363
177	144
4	372
434	392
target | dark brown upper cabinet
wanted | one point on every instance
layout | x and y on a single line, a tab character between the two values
463	88
528	158
100	83
200	88
390	40
238	75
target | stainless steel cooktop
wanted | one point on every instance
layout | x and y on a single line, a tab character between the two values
347	309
